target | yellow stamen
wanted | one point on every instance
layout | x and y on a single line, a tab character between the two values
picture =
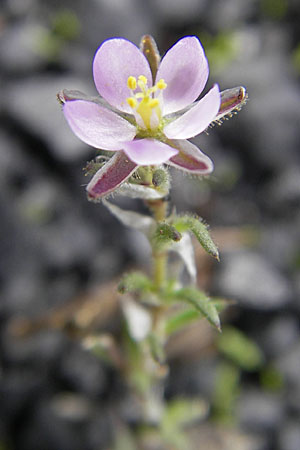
143	79
153	103
132	102
147	107
161	84
131	83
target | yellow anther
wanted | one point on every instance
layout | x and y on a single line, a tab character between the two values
153	103
161	84
131	83
131	102
143	79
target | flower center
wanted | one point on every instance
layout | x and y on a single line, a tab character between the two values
146	108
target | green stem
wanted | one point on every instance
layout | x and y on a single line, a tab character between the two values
159	211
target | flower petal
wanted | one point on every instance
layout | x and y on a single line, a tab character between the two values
116	60
117	170
191	159
185	70
197	119
96	125
145	152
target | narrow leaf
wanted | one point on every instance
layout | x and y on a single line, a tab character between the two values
184	317
201	303
183	411
200	231
240	349
180	320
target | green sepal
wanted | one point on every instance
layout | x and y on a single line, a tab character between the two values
135	282
149	48
161	180
201	303
200	231
240	349
93	166
164	235
152	177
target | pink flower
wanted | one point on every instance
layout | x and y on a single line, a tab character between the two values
145	121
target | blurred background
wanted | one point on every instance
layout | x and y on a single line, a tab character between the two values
61	256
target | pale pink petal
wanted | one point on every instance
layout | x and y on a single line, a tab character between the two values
116	60
117	170
197	119
185	70
97	126
146	152
190	159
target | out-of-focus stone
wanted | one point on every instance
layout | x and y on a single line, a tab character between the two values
280	335
289	436
33	104
258	411
252	280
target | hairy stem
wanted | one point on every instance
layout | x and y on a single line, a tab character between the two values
159	210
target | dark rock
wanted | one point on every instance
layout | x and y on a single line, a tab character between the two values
83	372
41	349
49	430
194	379
18	388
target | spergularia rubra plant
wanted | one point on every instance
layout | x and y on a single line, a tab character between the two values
146	111
145	114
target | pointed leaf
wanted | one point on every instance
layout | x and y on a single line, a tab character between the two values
180	320
240	349
182	412
201	303
200	230
186	316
